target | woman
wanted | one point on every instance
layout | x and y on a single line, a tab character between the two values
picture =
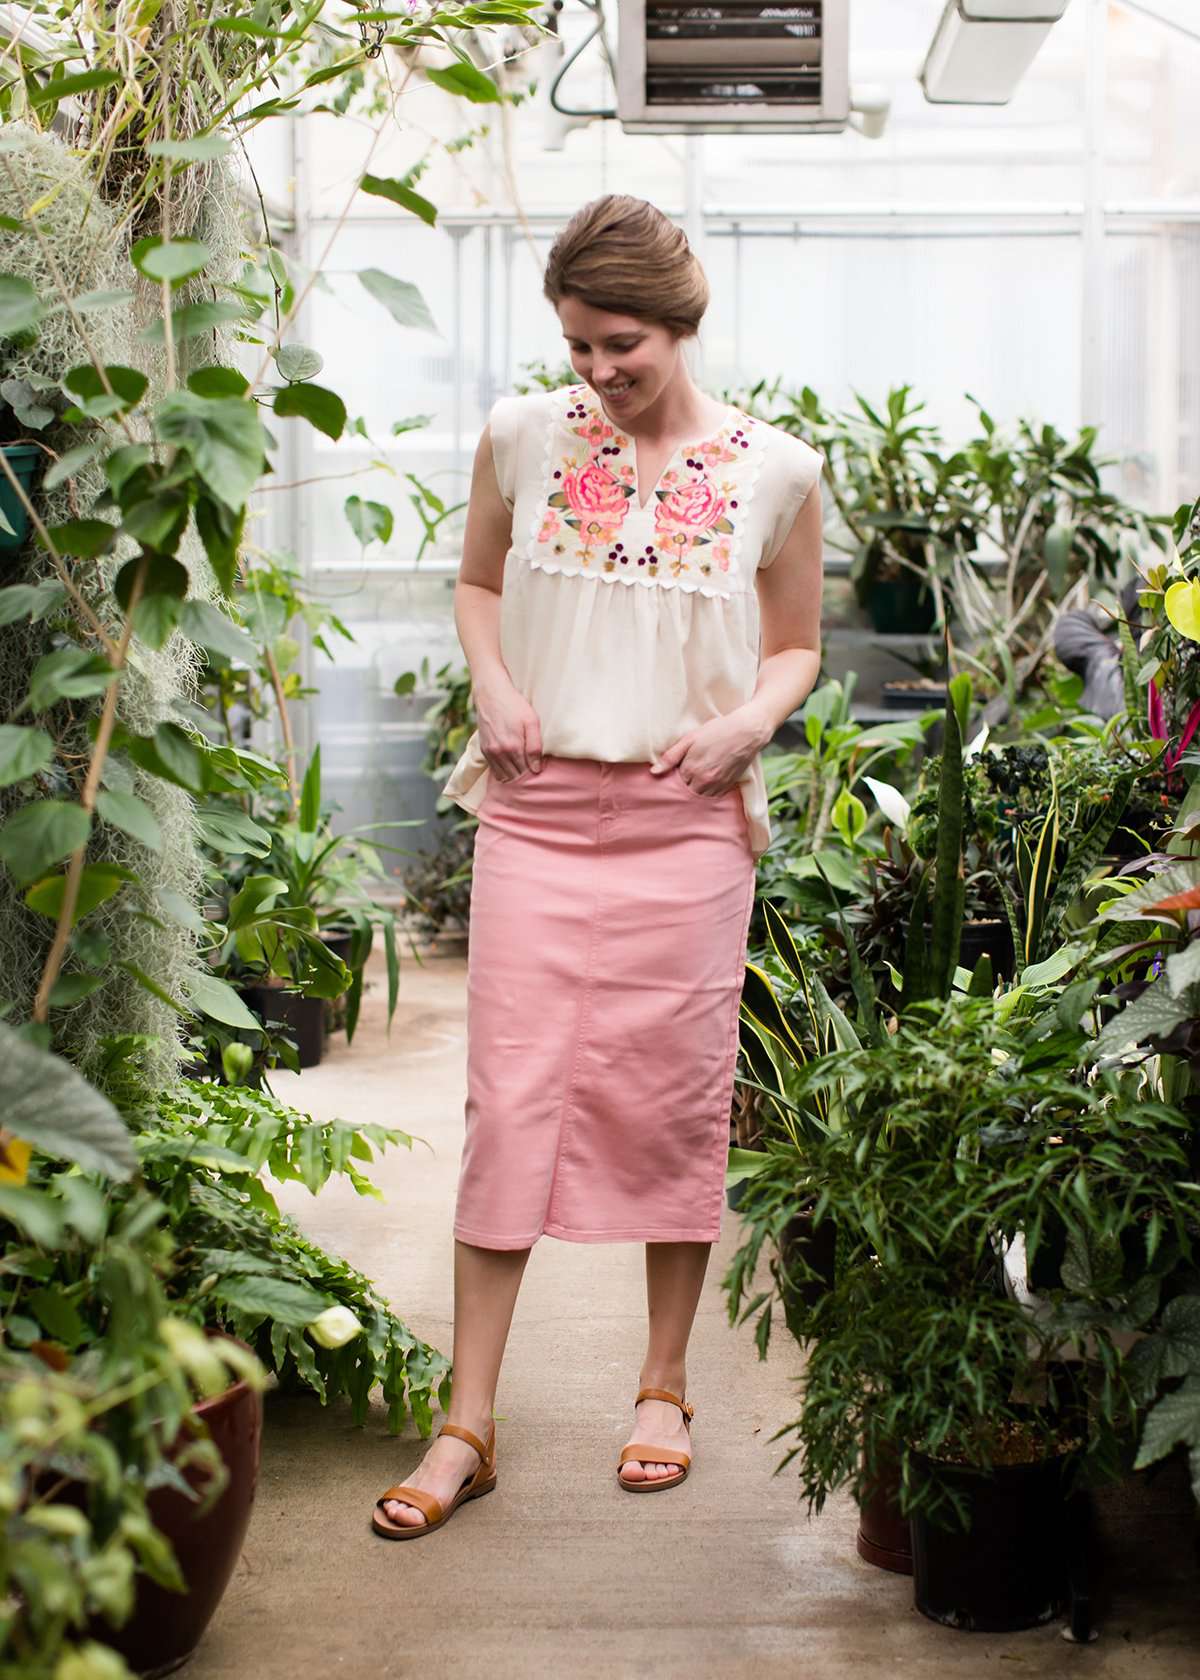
627	538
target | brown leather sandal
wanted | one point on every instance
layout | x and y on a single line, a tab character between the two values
482	1480
656	1455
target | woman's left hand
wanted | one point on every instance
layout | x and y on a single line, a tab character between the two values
713	758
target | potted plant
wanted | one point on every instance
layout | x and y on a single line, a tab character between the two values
962	1133
27	404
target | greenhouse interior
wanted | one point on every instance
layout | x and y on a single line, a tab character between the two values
361	838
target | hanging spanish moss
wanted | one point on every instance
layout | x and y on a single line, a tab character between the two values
138	924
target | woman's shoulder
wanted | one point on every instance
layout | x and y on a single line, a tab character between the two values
527	408
794	454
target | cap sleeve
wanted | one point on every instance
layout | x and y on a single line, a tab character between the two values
804	471
502	426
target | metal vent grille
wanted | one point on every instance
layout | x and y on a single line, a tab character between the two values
737	51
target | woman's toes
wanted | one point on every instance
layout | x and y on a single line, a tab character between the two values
398	1512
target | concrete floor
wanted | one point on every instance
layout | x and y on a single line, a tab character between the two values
558	1570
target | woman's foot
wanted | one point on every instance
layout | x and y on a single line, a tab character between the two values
660	1422
447	1463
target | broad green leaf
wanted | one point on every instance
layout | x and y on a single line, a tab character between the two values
173	260
88	302
156	521
223	436
160	575
467	82
400	298
220	529
398	193
20	306
38	836
68	674
193	320
97	884
216	998
1173	1421
1182	606
131	815
292	1304
218	382
322	408
32	1211
216	631
23	752
297	361
30	600
46	1102
370	521
57	1314
83	538
84	383
69	464
172	754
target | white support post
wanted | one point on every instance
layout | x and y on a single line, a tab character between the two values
1092	300
693	225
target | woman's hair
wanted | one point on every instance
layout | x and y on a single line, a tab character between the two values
623	255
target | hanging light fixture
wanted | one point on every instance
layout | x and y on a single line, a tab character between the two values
982	48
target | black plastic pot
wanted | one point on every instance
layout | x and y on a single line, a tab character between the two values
901	606
1013	1569
304	1018
23	458
901	697
990	937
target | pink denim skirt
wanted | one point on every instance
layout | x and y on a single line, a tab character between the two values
609	915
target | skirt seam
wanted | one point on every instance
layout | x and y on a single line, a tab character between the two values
582	1017
731	1050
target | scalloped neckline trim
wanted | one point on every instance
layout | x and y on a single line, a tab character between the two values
680	450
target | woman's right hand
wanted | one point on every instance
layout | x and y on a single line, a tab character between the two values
510	733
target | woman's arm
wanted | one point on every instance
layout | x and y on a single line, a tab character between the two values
509	732
789	598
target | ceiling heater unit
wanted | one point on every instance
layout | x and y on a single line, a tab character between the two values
733	66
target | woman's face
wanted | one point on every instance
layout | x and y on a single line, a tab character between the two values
626	360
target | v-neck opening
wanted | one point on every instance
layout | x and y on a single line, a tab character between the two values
677	452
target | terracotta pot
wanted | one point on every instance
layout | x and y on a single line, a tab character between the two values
166	1627
884	1537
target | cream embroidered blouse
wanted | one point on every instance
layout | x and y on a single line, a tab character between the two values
625	626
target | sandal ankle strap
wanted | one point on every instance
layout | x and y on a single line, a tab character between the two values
467	1435
665	1394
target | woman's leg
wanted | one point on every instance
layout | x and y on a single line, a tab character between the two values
486	1282
674	1279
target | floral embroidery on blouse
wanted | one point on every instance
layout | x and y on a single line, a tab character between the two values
593	493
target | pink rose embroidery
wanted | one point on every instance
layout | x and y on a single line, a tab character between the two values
595	430
551	525
594	494
691	507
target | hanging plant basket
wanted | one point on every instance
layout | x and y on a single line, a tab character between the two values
23	458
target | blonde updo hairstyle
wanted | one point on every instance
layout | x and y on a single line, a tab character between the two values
622	255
